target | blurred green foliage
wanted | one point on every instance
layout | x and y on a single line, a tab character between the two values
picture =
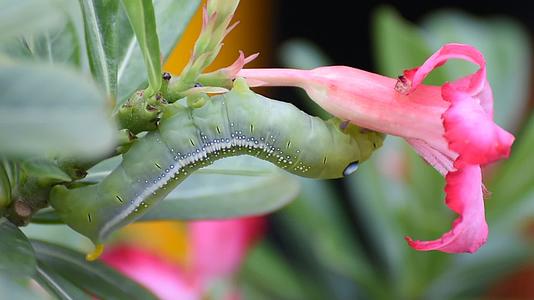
344	240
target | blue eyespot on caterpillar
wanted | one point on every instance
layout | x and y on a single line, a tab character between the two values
236	123
351	168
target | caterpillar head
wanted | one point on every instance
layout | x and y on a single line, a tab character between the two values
368	140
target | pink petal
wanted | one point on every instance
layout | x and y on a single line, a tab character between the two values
230	28
476	81
437	159
475	84
469	230
239	63
164	280
218	247
471	131
483	97
205	18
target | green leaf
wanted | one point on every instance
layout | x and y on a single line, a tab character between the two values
50	110
5	188
467	275
398	200
102	169
516	176
99	279
506	250
17	254
46	216
57	285
303	54
17	287
317	210
58	234
12	171
102	41
28	16
143	21
60	44
268	271
44	170
231	187
172	17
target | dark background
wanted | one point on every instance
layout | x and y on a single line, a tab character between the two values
328	25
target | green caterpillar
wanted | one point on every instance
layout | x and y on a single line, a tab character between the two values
236	123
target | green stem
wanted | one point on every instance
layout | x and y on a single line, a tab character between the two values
177	87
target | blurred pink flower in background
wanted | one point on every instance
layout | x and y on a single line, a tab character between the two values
216	250
164	279
450	126
218	247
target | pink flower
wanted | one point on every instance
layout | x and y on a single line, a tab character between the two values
217	250
219	246
450	126
165	280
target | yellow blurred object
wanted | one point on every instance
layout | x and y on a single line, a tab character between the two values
96	253
167	238
252	35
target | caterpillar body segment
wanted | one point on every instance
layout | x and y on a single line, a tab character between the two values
236	123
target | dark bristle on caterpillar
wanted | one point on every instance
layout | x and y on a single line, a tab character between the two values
236	123
119	199
166	76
